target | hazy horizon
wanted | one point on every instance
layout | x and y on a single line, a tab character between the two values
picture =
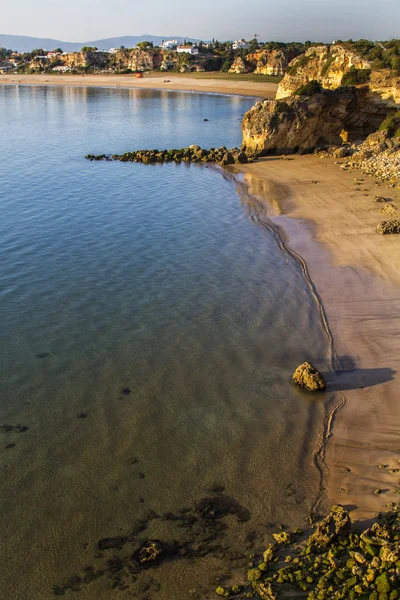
85	20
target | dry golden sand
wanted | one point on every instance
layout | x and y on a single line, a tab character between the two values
174	82
330	220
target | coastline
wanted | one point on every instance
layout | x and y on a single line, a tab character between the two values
159	81
331	225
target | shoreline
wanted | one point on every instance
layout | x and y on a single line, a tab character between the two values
163	82
331	225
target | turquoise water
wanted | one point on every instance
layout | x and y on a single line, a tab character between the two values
152	279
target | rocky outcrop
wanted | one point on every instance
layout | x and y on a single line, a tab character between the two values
270	62
300	124
240	66
137	60
336	524
193	153
388	227
84	59
264	62
309	378
387	86
326	64
378	155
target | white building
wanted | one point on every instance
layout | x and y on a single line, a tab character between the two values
239	44
188	50
61	69
169	44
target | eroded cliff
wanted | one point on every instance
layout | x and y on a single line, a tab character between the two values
326	64
301	123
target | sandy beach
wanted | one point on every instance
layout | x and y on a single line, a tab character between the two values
329	219
164	81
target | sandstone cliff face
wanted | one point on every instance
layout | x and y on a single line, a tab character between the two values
137	60
265	62
85	59
301	123
269	62
326	64
240	66
386	86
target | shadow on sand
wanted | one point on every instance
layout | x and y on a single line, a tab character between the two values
352	378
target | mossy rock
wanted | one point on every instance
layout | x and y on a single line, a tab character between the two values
282	538
309	378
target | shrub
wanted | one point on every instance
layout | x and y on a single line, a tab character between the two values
327	66
356	76
392	125
283	107
300	63
309	89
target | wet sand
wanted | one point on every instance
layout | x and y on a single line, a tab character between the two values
330	219
163	81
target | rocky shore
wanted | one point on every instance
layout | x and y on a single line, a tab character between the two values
335	561
192	154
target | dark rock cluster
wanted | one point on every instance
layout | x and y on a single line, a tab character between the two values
194	153
388	227
333	562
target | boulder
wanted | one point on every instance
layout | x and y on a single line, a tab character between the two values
389	209
149	552
227	159
336	524
309	378
388	227
241	158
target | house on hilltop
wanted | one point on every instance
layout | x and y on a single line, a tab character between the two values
188	50
240	44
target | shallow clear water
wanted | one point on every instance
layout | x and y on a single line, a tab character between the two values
156	279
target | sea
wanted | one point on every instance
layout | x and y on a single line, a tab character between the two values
150	325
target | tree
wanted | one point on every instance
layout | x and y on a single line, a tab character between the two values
5	53
144	45
89	49
58	51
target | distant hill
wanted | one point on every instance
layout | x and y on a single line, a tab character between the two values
22	43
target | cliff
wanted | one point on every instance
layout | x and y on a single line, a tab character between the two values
270	62
326	64
76	60
301	123
240	66
264	62
137	60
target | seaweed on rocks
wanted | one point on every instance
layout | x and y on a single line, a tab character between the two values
335	561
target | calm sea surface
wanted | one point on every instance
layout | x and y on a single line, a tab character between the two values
149	329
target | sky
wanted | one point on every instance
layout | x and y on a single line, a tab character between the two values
283	20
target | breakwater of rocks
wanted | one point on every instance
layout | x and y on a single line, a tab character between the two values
193	153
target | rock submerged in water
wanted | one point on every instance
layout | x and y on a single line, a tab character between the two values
309	378
149	552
